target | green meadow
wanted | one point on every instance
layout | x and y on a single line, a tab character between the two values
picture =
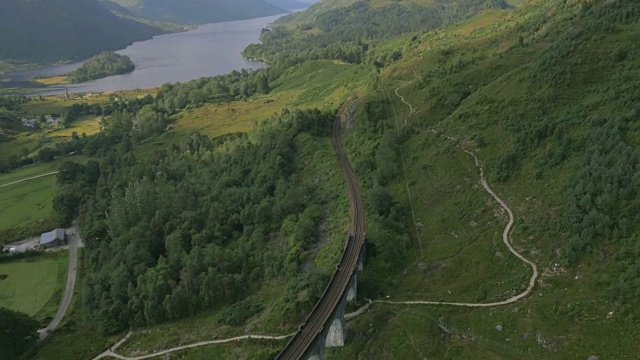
30	284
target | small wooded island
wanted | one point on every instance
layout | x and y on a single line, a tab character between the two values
102	65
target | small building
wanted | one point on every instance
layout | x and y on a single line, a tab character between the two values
32	123
52	239
9	249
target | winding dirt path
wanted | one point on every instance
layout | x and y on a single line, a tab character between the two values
505	240
412	110
111	351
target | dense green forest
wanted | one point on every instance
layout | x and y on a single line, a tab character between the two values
346	33
52	30
197	225
102	65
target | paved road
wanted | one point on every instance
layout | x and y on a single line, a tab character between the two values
30	178
74	244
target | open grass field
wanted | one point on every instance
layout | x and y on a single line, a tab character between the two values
48	311
26	202
87	124
238	116
321	84
30	283
26	207
23	143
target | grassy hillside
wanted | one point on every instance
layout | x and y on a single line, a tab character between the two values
53	30
198	11
546	96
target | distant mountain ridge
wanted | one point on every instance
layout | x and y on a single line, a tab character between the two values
289	4
200	11
115	7
42	31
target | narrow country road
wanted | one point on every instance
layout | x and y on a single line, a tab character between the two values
74	243
29	178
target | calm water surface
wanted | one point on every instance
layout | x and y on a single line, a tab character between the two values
209	50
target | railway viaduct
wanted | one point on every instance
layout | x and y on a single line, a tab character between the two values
325	325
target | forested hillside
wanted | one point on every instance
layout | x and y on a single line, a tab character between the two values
197	225
199	11
41	31
544	96
347	31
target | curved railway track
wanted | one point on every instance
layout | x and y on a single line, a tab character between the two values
321	314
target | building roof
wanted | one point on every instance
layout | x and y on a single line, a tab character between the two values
51	236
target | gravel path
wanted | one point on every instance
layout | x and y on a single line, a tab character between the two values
111	353
505	240
30	178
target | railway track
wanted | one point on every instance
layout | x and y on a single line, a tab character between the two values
321	313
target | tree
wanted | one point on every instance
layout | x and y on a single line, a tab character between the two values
18	332
262	84
381	200
65	204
